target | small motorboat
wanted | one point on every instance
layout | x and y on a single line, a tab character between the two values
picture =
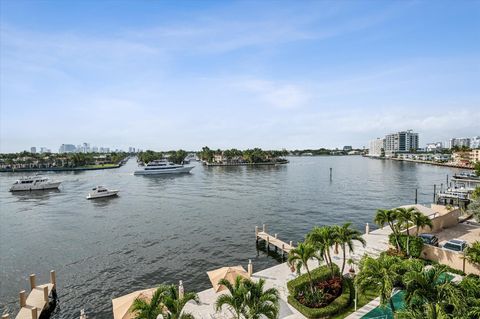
101	191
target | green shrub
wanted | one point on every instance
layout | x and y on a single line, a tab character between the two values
416	244
336	306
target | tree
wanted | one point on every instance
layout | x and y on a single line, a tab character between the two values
470	286
477	168
380	274
322	238
299	257
173	304
144	309
235	300
404	218
344	236
472	253
388	216
431	292
260	303
420	221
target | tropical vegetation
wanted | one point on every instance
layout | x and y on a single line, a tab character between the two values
166	301
252	156
248	299
176	157
472	253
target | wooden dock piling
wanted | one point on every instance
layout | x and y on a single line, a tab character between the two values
38	300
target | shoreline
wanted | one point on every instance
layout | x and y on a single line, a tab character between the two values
423	162
245	164
57	169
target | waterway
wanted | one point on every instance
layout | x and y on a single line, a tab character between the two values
170	228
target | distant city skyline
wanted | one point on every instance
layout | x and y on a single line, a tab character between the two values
182	75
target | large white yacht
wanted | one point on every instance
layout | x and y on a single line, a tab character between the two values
101	191
33	183
163	167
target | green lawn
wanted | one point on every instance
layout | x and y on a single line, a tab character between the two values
363	298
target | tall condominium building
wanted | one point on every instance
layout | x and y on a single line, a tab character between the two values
475	142
33	149
460	142
401	142
67	148
376	147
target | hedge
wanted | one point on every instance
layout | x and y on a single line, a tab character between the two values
336	306
415	245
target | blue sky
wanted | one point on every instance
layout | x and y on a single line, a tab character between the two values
281	74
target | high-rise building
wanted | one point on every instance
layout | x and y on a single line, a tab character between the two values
460	142
377	147
33	149
475	142
401	142
44	150
67	148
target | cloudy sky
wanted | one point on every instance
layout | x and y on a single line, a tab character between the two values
178	74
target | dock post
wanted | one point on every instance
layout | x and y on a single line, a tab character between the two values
268	242
250	268
53	279
447	181
32	281
256	234
367	229
181	290
330	174
45	294
434	193
441	188
416	196
276	236
34	313
283	250
291	244
23	298
264	228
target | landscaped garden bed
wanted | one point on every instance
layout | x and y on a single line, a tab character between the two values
330	294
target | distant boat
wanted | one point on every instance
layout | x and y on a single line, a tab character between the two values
34	183
163	167
101	192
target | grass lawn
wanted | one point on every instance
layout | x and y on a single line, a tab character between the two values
363	298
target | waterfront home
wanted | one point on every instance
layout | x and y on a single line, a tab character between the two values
466	158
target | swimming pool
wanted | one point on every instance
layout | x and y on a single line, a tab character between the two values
386	312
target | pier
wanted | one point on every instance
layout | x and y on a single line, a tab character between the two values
42	298
272	240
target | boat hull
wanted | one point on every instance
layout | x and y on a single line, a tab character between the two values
38	187
109	194
179	170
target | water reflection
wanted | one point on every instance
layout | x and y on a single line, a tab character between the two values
37	195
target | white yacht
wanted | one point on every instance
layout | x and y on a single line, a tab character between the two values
100	192
33	183
163	167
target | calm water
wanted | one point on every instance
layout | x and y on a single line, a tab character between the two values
165	229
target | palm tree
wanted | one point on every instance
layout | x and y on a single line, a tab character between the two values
379	273
299	257
431	291
322	238
260	303
404	218
470	286
472	253
173	304
235	300
421	221
344	236
144	309
388	216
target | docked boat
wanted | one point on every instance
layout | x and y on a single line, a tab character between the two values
101	192
34	183
163	167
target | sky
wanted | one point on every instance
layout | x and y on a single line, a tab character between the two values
272	74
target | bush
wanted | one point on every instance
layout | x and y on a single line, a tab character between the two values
472	253
319	274
416	244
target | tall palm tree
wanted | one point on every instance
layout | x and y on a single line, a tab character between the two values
420	221
380	273
173	304
344	236
470	286
144	309
432	291
404	219
299	257
236	299
389	217
261	303
323	238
